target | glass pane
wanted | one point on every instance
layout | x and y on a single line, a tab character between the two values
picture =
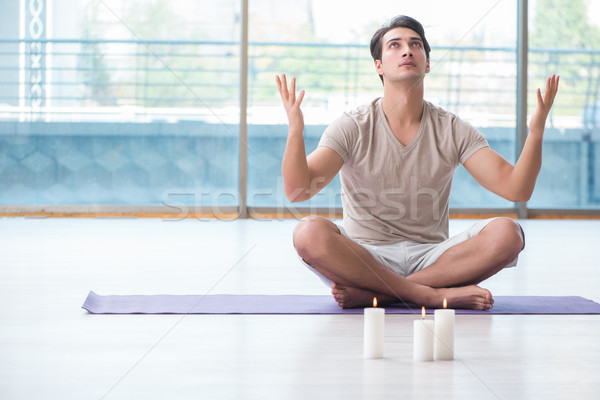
120	103
564	38
473	74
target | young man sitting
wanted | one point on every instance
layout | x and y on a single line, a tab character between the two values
396	157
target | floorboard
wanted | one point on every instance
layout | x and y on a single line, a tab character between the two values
51	348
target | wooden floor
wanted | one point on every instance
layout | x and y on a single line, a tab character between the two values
50	348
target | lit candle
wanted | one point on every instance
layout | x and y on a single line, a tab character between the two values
423	338
444	333
374	322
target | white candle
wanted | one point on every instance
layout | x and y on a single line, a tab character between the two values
423	339
444	334
374	323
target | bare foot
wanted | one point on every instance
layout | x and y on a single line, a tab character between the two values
351	297
471	297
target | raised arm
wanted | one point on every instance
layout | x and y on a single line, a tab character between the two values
303	177
516	183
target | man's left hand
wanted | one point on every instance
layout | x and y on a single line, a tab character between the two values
544	104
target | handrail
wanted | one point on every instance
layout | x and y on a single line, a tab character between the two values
177	75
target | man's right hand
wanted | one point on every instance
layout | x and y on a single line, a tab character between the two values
303	177
291	104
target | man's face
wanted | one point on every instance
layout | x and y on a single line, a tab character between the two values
403	56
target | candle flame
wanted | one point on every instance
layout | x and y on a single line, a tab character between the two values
374	301
445	303
423	311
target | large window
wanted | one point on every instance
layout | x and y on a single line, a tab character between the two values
473	74
117	103
137	104
565	39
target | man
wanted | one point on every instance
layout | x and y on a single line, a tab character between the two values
396	157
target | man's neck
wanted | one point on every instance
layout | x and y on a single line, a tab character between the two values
403	103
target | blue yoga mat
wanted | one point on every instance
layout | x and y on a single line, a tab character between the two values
308	304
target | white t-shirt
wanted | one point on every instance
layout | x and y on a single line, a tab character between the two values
391	192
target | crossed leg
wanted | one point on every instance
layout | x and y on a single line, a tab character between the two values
358	276
475	259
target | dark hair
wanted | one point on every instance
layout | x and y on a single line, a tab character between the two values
400	21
